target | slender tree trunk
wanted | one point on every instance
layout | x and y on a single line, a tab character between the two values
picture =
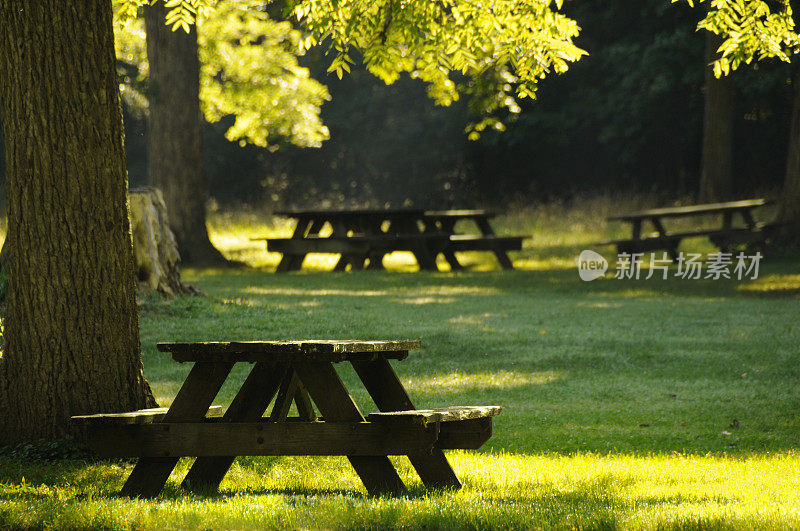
789	202
716	172
71	329
174	135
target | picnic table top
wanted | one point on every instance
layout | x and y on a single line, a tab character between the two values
327	350
707	208
461	213
420	212
293	213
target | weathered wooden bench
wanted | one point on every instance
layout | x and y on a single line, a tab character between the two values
299	372
364	236
474	242
128	418
724	236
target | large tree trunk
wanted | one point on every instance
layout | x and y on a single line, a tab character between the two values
716	171
71	329
174	151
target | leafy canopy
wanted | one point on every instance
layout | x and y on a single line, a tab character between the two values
751	29
509	42
248	70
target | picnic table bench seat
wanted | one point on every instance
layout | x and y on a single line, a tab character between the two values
362	244
425	417
128	418
386	433
720	237
475	242
354	244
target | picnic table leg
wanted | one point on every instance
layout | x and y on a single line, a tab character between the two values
449	228
727	224
422	253
662	232
389	394
248	405
747	217
292	389
191	404
375	228
291	262
636	229
340	228
487	230
331	397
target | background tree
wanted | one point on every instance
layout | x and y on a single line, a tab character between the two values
755	29
246	68
716	169
71	328
174	152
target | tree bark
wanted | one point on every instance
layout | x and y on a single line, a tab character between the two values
155	251
174	149
716	172
789	202
788	233
71	329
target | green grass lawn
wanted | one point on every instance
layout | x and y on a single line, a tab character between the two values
629	404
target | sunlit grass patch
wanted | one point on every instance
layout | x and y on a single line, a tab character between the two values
500	491
462	382
773	283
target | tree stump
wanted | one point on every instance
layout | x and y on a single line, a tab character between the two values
154	248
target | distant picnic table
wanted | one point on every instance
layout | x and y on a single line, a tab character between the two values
364	236
724	235
299	372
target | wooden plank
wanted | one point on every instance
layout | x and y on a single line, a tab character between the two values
302	346
352	212
724	240
248	405
446	226
460	214
141	416
465	434
190	405
305	409
285	396
498	249
336	405
343	227
210	440
424	417
332	245
286	357
294	262
671	241
469	242
692	210
389	394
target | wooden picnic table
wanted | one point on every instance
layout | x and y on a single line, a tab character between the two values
289	371
724	235
364	236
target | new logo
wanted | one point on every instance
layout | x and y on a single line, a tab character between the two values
591	265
